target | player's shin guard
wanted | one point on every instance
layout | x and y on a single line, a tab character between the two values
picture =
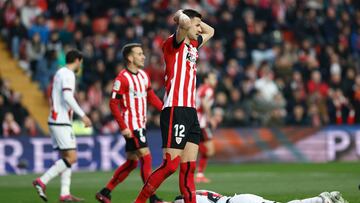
167	168
121	173
145	169
186	180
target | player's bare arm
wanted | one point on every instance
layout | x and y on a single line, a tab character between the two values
126	133
184	24
207	32
206	105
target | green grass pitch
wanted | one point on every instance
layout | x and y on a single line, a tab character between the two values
280	182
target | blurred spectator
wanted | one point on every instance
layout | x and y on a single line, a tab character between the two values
95	95
40	27
316	86
298	117
35	51
30	126
266	85
10	126
29	12
17	33
340	110
2	110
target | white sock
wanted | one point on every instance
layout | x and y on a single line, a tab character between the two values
65	182
58	167
309	200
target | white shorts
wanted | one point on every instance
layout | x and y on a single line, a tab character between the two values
63	137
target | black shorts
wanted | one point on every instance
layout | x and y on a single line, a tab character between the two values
206	134
179	125
138	140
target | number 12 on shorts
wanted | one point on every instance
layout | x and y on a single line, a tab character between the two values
179	130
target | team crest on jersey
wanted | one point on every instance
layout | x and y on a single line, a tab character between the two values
178	140
116	85
143	139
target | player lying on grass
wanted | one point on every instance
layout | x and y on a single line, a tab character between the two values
206	196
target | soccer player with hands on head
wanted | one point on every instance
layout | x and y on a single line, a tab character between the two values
180	127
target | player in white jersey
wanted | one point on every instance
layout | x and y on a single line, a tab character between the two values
206	196
63	104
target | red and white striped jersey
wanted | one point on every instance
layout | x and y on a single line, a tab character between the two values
204	92
132	91
180	73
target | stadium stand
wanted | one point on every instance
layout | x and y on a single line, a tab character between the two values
282	62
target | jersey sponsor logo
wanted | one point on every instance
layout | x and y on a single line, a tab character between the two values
192	54
116	85
139	94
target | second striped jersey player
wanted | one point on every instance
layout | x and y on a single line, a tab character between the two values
128	104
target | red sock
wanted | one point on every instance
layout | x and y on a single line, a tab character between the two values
145	168
121	173
203	158
167	168
186	181
202	163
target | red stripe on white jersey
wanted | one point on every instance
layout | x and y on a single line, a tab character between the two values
134	99
169	95
140	89
180	79
132	103
143	79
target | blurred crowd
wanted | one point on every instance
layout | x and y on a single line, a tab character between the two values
279	62
14	117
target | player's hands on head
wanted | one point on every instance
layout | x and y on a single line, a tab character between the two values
177	16
182	20
86	120
126	133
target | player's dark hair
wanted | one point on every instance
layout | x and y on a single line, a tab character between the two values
127	49
72	55
192	13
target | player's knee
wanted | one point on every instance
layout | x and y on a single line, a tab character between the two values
142	152
67	162
210	152
72	159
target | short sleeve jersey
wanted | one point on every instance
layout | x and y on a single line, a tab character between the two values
180	72
132	88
